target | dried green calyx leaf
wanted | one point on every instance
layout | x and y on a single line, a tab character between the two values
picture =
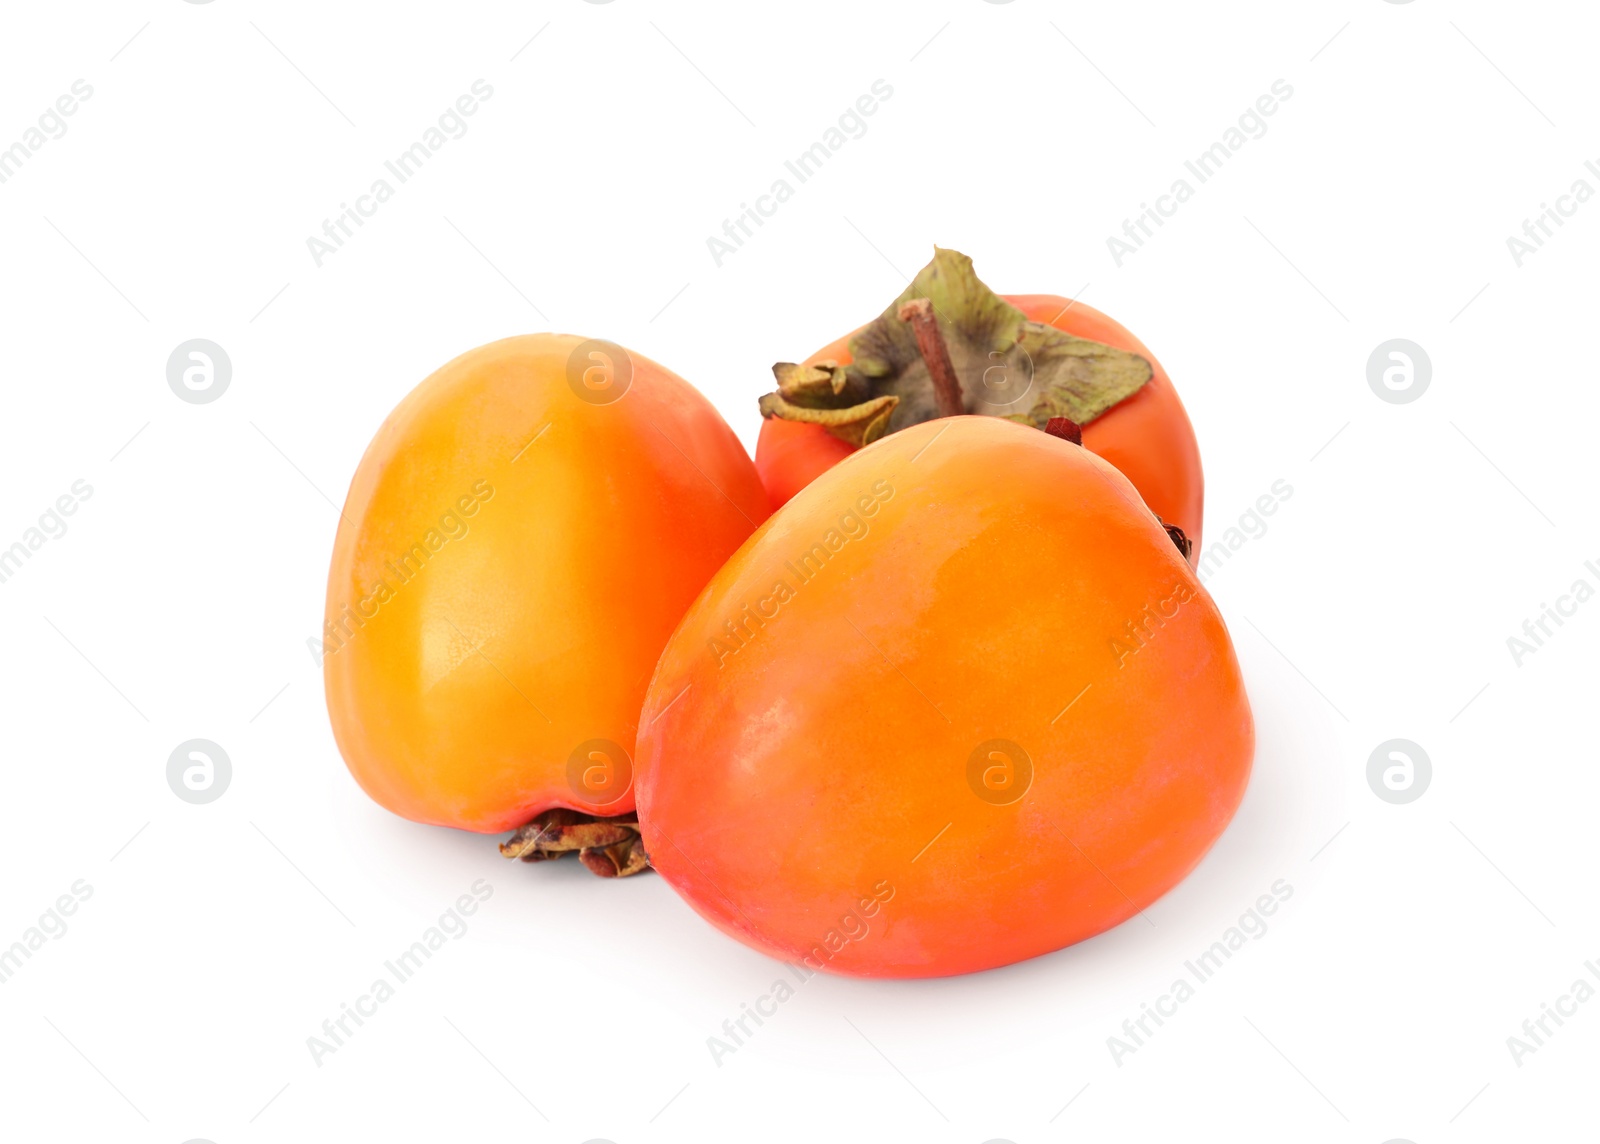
1008	366
859	424
811	384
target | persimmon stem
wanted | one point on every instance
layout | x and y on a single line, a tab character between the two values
1178	538
936	355
1065	428
608	847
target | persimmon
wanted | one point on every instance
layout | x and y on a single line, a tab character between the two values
959	703
519	540
1012	362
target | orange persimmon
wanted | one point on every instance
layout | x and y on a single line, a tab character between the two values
519	540
1144	433
959	703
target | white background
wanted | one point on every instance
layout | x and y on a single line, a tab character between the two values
1378	604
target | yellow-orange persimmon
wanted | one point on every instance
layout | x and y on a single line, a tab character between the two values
518	542
960	702
1145	434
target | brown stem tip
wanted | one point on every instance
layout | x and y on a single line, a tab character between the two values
608	847
1179	540
936	355
1065	428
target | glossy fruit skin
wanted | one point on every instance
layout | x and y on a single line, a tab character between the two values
561	540
1148	436
805	785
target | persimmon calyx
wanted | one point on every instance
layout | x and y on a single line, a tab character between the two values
1180	541
858	424
1006	365
608	847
